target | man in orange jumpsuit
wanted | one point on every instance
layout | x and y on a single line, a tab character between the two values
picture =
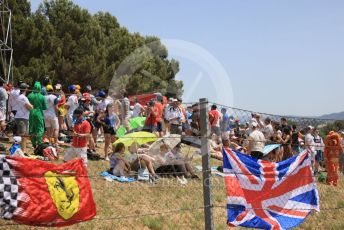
333	148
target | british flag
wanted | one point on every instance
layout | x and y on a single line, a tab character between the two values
266	195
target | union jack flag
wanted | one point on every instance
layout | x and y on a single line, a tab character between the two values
266	195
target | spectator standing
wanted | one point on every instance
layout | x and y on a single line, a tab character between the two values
341	156
159	109
110	123
61	109
125	112
319	147
166	114
22	114
286	143
215	119
151	122
225	128
268	130
295	142
256	142
138	109
3	106
72	104
175	117
87	107
81	130
36	121
50	115
310	146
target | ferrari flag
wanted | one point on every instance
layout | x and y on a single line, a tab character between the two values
38	193
266	195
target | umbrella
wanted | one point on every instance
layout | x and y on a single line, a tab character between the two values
170	140
138	137
269	148
137	122
121	132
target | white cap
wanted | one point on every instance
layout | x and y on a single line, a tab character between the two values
254	124
17	139
225	137
58	86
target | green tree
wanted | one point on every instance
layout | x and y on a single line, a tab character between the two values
72	46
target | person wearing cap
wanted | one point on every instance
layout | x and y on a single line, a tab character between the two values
36	121
94	101
22	114
72	104
78	91
61	109
256	142
50	116
175	118
81	133
87	106
3	106
103	102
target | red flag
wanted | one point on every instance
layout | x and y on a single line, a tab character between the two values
38	193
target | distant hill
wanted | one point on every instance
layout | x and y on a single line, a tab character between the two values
333	116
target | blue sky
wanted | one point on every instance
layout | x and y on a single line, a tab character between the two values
282	57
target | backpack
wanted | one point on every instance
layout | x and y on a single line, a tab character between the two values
93	156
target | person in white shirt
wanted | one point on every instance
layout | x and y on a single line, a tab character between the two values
267	129
174	117
3	105
138	109
125	112
50	115
22	115
256	142
310	145
72	104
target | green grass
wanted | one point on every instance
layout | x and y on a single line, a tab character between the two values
138	199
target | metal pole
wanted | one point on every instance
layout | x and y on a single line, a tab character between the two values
208	214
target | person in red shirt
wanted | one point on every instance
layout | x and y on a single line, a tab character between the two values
82	131
151	118
214	120
160	108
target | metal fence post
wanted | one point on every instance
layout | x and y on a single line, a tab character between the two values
208	209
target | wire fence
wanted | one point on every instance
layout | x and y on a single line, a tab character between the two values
170	204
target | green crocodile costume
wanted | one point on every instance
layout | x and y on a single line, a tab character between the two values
36	119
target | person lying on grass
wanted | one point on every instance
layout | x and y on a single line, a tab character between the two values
172	163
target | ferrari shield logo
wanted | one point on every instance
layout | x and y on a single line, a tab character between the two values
64	191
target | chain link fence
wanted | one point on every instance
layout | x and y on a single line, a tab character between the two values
170	204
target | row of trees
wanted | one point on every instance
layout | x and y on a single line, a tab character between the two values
72	46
